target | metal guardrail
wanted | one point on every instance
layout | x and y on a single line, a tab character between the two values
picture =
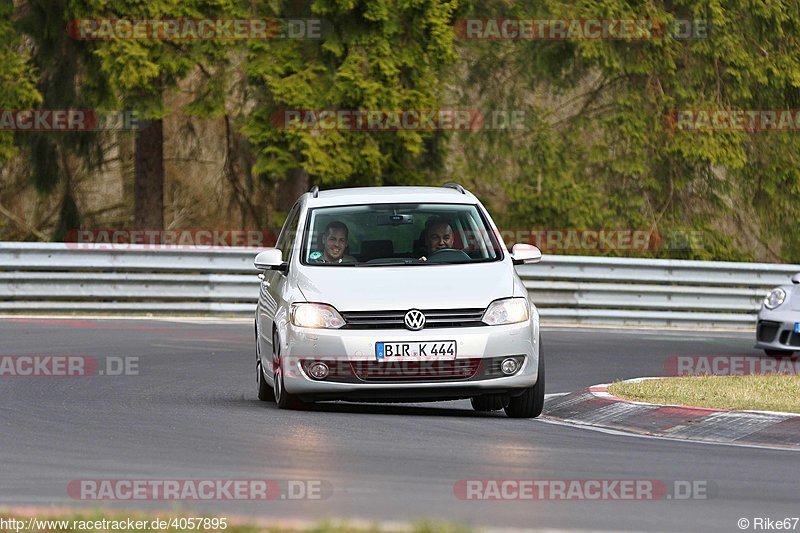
64	278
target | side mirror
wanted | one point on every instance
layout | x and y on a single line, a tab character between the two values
271	259
525	254
796	279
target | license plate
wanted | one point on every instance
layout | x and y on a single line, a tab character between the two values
415	350
797	327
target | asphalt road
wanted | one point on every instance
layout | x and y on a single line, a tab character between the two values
191	412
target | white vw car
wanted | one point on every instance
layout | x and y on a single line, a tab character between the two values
396	294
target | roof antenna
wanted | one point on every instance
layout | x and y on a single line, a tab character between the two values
314	191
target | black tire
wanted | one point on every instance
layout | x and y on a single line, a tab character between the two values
487	402
779	353
531	402
265	392
282	398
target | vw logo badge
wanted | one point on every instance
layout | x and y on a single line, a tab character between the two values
414	320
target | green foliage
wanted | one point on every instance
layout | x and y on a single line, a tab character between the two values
67	78
596	149
141	70
17	76
378	55
613	159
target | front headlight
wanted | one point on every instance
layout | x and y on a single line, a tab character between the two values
316	316
506	311
775	298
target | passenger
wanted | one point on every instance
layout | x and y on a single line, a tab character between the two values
334	245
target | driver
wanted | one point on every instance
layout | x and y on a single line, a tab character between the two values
334	245
438	235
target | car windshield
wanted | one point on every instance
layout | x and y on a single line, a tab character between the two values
398	235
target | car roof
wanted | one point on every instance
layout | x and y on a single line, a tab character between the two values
378	195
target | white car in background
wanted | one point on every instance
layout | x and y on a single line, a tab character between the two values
778	326
396	294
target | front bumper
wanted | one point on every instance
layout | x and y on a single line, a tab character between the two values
775	330
479	347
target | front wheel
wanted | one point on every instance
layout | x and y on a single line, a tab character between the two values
265	392
531	402
488	402
282	398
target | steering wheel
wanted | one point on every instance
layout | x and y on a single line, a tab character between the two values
448	254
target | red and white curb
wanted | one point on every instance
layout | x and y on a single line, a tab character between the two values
596	407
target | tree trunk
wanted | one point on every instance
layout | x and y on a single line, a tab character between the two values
148	181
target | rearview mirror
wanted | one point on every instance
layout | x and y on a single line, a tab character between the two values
796	278
270	259
525	254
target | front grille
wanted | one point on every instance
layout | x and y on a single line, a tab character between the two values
794	340
416	370
434	318
767	330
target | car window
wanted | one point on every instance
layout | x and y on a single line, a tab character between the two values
288	234
398	234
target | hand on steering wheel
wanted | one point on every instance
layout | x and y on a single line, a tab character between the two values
460	254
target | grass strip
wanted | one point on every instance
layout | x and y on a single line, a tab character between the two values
755	392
